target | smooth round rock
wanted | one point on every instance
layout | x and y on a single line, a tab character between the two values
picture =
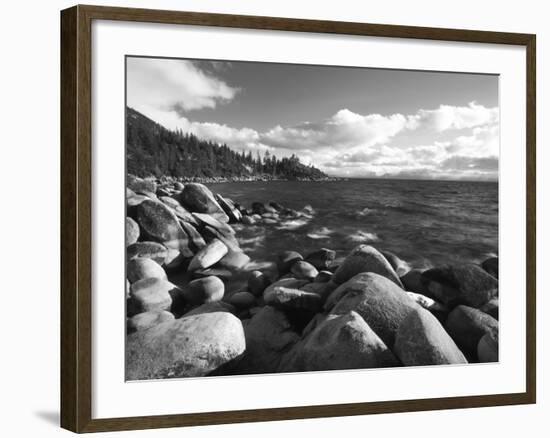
242	300
152	250
151	294
204	290
323	277
422	340
304	270
208	255
198	198
365	258
140	268
146	320
158	223
132	231
286	259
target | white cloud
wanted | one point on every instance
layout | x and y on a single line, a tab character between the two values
168	84
455	117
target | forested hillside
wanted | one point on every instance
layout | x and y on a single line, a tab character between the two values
152	150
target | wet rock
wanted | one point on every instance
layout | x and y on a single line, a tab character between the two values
141	268
460	284
422	340
491	266
487	347
132	231
293	298
242	300
321	259
151	294
399	266
145	320
303	270
491	307
191	346
204	290
365	258
158	223
198	198
286	259
257	283
208	255
382	303
152	250
323	277
467	326
339	342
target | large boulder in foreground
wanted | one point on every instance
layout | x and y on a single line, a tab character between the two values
269	335
422	340
208	255
467	326
191	346
465	284
158	223
198	198
339	342
381	303
365	258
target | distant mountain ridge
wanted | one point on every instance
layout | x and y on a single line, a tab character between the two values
152	150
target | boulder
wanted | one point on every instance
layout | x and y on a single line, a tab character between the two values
191	346
185	216
208	255
381	303
399	266
286	259
140	185
491	266
467	326
413	282
195	240
487	347
229	208
229	240
151	294
422	340
140	268
132	231
323	277
170	202
146	320
293	299
460	284
234	260
257	283
365	258
198	198
269	334
204	290
158	223
491	307
178	186
303	270
152	250
321	259
242	300
339	342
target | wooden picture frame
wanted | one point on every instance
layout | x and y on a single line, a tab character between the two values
76	217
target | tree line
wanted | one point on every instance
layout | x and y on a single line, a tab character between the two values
152	150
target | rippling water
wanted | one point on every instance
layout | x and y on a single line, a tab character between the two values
425	223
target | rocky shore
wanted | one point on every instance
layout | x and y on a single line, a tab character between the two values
305	313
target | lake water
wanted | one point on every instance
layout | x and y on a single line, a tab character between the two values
425	223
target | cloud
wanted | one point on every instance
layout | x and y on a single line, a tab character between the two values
173	84
456	117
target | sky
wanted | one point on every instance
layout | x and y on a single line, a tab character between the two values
347	121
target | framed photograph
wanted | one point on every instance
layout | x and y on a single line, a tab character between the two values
271	218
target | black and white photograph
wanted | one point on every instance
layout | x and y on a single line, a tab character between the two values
285	218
